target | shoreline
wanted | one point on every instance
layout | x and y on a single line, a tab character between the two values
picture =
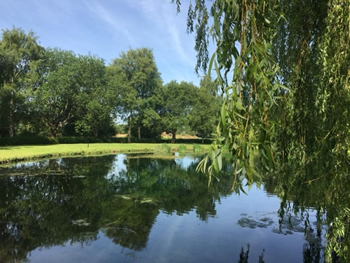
16	154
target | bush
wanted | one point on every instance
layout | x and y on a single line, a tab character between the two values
73	139
182	148
164	148
42	140
192	141
197	148
27	140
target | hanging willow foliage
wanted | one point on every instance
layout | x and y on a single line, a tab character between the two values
245	65
284	68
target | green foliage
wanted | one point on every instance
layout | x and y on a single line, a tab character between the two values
27	140
121	128
197	148
54	101
243	32
58	93
19	53
179	99
94	101
163	148
73	94
204	113
136	79
89	139
182	148
283	68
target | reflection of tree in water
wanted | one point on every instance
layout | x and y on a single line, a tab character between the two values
69	200
53	202
327	195
45	209
133	223
149	185
179	190
244	256
313	249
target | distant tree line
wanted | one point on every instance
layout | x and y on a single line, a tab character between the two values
53	92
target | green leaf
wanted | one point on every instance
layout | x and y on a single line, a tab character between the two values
223	115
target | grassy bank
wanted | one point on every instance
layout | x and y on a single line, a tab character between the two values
11	154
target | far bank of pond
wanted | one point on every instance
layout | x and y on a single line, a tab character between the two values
12	154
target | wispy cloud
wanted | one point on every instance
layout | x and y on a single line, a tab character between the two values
108	27
112	20
164	17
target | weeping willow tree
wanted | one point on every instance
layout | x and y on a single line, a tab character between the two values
283	67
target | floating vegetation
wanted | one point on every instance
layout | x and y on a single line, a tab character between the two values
287	226
252	223
290	225
124	197
80	222
138	199
79	177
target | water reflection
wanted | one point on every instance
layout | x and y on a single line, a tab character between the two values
47	203
140	202
244	256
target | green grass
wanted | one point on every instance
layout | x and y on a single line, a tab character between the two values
11	154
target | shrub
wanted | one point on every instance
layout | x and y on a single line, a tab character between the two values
197	148
27	140
182	148
163	148
72	140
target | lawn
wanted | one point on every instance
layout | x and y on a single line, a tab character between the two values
10	154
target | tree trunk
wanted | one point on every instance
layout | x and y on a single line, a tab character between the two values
95	132
11	125
139	131
202	139
129	131
173	136
53	131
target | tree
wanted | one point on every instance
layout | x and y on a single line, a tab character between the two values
124	104
93	104
282	60
73	96
141	83
204	114
178	103
18	52
54	100
287	101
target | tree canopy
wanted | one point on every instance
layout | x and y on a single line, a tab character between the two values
178	103
55	93
142	83
18	53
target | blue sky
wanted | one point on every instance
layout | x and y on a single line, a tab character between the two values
107	27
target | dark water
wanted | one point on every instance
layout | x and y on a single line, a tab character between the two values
135	209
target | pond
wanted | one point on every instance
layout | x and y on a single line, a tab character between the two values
135	208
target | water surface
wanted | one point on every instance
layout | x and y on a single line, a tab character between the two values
129	208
